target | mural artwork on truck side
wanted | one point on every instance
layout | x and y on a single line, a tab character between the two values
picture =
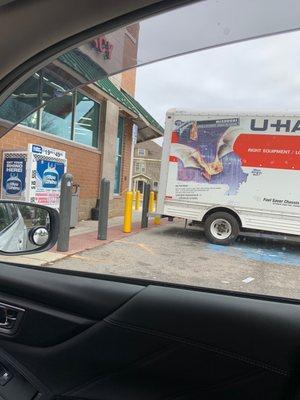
244	162
204	152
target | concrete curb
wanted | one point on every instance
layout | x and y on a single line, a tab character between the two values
78	244
87	241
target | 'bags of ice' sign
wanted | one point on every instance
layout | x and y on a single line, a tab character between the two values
13	185
50	177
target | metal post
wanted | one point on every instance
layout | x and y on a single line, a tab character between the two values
127	226
151	202
134	135
157	220
103	209
137	200
144	223
65	212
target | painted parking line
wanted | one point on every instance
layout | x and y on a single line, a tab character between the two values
142	246
272	254
146	248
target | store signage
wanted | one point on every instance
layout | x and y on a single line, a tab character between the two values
34	175
37	149
103	46
46	151
46	168
14	175
135	130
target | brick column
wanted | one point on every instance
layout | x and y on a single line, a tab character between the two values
126	155
109	132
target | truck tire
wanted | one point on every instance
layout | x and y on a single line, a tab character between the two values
221	228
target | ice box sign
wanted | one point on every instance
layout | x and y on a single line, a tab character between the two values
36	149
46	151
33	175
50	177
13	185
14	175
46	169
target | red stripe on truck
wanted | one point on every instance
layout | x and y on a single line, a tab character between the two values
268	151
174	138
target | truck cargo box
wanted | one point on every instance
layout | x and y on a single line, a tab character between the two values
245	165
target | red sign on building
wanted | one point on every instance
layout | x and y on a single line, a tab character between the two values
103	46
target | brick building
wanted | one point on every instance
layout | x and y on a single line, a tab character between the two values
93	124
146	165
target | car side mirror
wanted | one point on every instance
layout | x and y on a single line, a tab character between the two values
27	228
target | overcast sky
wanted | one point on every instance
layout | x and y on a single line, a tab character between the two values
262	74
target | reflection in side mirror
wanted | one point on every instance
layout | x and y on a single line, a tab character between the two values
26	227
39	236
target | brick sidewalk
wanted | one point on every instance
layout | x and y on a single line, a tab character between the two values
89	240
78	243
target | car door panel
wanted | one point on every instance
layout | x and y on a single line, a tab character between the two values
47	326
89	338
243	323
66	292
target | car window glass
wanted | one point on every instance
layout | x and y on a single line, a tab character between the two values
13	211
214	135
200	25
6	217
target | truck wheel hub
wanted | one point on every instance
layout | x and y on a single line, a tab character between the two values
220	228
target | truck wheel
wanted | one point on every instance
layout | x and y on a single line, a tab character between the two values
221	228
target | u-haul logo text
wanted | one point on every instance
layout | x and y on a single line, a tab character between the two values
286	125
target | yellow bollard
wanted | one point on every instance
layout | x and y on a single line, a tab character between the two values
151	202
157	220
137	200
128	212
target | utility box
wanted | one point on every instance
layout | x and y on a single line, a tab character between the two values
74	206
33	175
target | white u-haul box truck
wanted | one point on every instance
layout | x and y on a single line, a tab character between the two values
232	171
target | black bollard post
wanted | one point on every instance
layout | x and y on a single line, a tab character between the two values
65	212
103	209
144	223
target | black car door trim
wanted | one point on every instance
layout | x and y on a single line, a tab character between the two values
141	361
35	382
146	282
203	346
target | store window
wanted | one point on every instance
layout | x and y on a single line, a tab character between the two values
52	85
118	164
56	117
22	102
73	116
86	120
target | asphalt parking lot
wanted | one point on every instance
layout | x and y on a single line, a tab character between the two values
172	253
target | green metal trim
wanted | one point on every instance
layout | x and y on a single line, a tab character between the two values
108	87
83	65
91	71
